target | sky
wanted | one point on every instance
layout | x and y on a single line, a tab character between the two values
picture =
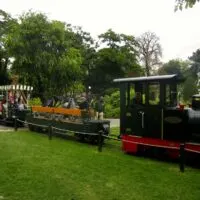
179	32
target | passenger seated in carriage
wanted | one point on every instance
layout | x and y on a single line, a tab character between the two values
84	104
21	105
70	103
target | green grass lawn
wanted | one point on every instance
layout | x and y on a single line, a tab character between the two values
34	168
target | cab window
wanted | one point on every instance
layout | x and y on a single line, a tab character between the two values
154	94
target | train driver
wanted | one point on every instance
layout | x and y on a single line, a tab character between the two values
138	98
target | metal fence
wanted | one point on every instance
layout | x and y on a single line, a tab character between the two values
51	129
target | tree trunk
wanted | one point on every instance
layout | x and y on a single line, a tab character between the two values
147	68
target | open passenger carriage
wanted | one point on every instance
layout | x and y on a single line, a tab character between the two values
152	118
14	102
70	119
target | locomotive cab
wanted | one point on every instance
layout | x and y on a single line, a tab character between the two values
149	107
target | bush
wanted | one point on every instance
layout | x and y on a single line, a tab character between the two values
35	102
112	105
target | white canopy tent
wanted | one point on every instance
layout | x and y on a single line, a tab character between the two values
16	87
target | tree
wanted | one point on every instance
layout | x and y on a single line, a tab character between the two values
189	88
183	69
85	43
180	4
118	58
44	56
6	24
195	59
150	51
110	39
177	66
192	77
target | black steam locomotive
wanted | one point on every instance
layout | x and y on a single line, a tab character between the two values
152	118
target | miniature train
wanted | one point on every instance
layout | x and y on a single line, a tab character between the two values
151	118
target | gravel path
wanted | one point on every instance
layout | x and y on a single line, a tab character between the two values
5	128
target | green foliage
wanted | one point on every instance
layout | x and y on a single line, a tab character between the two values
6	26
112	105
83	41
54	57
35	102
117	59
76	87
184	70
180	4
195	65
174	67
44	56
189	88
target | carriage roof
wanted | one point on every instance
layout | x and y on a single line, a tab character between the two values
17	87
173	77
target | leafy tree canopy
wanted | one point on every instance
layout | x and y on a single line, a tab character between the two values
180	4
174	67
195	62
43	54
118	58
6	25
183	69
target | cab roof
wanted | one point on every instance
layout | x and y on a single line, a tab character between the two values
148	78
196	96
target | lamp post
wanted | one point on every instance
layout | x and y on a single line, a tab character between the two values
89	94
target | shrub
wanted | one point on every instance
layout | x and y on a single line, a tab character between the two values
112	105
35	102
